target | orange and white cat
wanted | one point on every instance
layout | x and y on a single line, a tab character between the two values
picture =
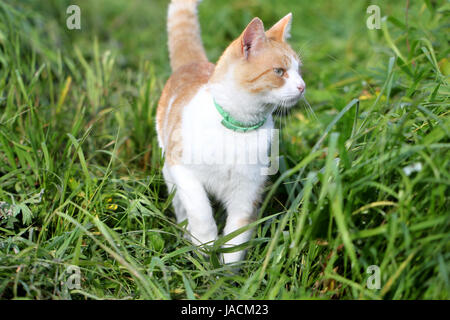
210	119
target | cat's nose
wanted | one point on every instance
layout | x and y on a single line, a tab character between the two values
301	88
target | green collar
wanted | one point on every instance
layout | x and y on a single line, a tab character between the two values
230	123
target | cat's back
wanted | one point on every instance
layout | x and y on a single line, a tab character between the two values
178	91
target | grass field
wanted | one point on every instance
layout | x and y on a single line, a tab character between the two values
364	177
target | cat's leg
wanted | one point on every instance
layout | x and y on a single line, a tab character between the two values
194	199
241	210
180	211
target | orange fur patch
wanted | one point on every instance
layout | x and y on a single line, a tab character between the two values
183	85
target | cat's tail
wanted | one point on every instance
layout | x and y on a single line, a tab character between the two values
185	43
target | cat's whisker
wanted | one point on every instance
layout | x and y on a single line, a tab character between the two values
309	109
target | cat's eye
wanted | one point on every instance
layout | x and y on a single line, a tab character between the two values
279	71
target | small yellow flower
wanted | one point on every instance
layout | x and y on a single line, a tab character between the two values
365	95
300	116
112	207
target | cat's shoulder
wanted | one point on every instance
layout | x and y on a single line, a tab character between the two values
179	90
192	75
184	83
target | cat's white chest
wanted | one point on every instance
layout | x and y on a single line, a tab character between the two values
207	142
220	155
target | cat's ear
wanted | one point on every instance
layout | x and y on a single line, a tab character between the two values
281	30
253	37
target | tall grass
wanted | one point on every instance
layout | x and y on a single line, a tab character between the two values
363	182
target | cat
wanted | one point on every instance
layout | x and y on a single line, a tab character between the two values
216	114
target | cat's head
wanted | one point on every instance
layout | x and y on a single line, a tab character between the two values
260	65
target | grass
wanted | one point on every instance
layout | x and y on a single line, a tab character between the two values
363	181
